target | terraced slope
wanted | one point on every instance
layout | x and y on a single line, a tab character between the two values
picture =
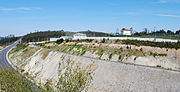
43	64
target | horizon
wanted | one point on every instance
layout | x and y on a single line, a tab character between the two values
22	17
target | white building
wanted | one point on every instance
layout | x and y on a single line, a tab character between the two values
79	36
66	37
54	39
126	32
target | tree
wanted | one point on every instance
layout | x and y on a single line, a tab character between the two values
169	32
59	41
177	32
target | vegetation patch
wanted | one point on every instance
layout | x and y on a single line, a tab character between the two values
110	56
100	50
120	57
19	47
156	54
152	44
73	78
100	53
13	82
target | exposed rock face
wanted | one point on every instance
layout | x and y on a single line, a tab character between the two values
109	76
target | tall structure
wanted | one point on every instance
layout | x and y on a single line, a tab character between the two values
131	30
117	31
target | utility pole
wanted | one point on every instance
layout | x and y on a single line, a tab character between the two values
117	31
131	30
155	31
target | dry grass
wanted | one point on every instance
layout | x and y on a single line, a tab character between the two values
44	53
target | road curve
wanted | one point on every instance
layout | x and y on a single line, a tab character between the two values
3	60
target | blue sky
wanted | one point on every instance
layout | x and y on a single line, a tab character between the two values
20	17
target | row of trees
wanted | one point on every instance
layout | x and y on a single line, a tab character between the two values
152	44
7	41
159	32
42	36
94	34
45	35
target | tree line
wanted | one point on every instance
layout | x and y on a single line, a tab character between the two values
159	33
152	44
7	41
42	36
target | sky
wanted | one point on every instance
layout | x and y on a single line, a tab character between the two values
20	17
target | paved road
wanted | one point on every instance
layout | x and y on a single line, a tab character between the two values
3	60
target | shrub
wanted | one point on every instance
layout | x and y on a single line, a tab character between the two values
120	57
59	41
141	49
135	58
110	56
158	66
103	41
156	54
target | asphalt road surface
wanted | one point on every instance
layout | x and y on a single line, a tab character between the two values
3	60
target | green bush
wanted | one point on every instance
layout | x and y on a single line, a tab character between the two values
104	40
59	41
120	57
110	56
156	54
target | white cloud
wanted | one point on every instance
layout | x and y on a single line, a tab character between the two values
16	9
168	15
167	1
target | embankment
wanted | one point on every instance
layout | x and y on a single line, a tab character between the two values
42	64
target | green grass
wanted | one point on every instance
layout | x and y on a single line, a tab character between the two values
13	82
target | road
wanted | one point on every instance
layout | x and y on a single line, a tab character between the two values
3	60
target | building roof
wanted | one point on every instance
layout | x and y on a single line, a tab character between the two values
126	30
